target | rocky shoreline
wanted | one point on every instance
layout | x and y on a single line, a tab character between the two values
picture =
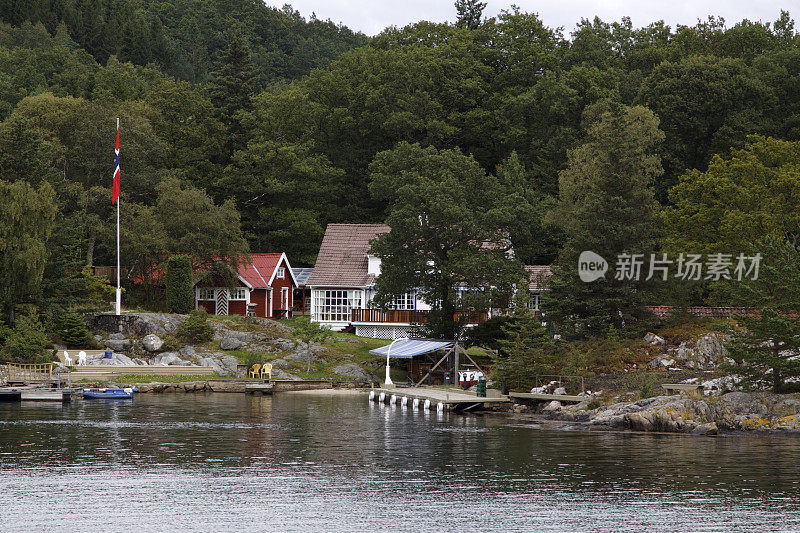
731	412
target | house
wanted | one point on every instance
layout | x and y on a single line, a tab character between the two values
538	276
302	294
264	287
343	286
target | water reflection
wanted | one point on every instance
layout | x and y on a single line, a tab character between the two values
310	462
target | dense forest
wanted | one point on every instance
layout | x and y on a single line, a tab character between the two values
245	127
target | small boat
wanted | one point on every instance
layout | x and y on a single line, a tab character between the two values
109	394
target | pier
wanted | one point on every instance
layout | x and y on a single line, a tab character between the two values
435	398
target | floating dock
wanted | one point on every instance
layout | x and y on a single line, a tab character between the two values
34	394
431	398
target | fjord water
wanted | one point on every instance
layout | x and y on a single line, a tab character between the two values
301	462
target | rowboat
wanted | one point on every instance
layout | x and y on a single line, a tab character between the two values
109	394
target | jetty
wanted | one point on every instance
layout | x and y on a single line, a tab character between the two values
34	394
441	399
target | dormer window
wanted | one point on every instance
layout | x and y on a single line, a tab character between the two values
281	273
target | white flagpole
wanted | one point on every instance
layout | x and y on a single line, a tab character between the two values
119	287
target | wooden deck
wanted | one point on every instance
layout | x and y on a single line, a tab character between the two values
548	397
451	399
34	394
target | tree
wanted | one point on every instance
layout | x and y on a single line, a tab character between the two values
606	205
74	332
307	332
179	290
28	340
738	201
767	344
469	13
527	348
26	222
449	234
231	89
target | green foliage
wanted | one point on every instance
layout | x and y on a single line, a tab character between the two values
196	328
489	333
74	332
179	288
469	13
449	224
606	205
26	223
28	341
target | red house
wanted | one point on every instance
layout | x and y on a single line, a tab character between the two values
264	288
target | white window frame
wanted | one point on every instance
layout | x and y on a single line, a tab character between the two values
238	294
404	302
335	305
280	273
204	292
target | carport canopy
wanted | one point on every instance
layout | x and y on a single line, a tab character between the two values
408	348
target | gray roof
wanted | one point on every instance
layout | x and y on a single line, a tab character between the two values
342	259
301	274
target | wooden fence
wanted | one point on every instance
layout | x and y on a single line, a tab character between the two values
29	373
406	316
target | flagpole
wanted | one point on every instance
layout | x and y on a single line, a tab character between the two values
119	287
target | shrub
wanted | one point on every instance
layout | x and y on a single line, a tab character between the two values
196	328
28	340
74	332
179	293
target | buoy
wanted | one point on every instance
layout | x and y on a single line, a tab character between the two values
415	403
426	405
382	397
440	407
404	401
372	395
392	400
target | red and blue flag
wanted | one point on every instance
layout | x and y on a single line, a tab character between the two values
115	189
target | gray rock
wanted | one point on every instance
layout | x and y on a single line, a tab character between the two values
137	324
560	391
169	358
98	338
282	364
653	339
117	337
152	342
188	351
552	406
224	365
230	343
350	370
281	374
118	345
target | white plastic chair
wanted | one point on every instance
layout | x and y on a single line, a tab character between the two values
81	358
67	359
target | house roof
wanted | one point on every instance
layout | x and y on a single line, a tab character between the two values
538	276
259	272
342	259
301	274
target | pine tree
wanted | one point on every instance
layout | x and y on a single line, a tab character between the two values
469	13
74	332
606	206
231	90
179	292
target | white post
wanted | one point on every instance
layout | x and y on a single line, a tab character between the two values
388	380
119	287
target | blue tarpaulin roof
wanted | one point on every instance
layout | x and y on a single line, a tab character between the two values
408	348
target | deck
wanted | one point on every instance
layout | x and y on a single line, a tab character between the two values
406	316
548	397
449	399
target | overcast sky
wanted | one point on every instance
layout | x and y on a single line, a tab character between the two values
372	16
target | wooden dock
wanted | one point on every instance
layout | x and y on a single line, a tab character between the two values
433	398
34	394
548	397
109	372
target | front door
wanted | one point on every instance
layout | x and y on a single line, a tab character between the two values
222	302
285	299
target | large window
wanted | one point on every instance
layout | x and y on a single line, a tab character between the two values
335	305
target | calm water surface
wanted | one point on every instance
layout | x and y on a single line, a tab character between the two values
298	462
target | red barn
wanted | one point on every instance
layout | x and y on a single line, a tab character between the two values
264	288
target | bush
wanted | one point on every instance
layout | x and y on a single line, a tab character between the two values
179	292
28	340
196	328
74	332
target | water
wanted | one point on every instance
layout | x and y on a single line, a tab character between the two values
299	462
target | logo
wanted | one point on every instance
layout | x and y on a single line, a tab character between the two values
591	266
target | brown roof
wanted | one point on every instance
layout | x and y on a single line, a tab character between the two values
342	259
538	275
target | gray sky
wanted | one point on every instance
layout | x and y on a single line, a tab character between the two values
371	16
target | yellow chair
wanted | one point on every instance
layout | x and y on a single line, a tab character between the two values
255	371
266	370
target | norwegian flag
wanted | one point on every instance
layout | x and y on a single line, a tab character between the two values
115	189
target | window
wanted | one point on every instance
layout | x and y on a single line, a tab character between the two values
238	293
206	293
281	273
404	301
335	305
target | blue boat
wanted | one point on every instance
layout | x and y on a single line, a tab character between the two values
108	394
